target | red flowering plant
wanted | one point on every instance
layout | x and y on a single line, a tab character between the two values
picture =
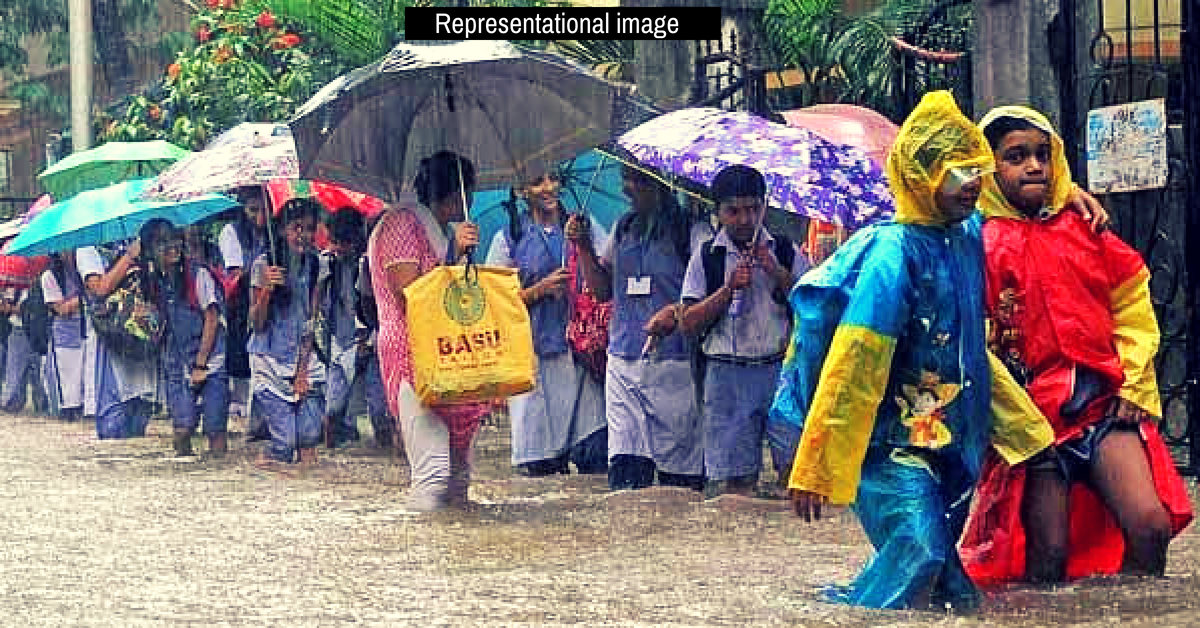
246	64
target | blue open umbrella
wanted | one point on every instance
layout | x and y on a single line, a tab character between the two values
591	184
108	215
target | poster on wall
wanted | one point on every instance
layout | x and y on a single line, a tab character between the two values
1127	147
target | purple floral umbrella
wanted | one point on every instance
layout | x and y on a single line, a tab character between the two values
805	174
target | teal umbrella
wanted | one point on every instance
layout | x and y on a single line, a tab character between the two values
108	164
108	215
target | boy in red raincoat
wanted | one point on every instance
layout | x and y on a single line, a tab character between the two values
1071	317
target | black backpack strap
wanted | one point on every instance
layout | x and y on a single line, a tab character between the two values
785	254
713	258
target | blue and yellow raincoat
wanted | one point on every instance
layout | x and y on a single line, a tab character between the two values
889	375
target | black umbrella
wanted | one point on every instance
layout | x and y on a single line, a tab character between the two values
512	112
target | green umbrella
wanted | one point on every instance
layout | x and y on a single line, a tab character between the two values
108	164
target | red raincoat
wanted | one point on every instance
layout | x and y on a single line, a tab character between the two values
1060	296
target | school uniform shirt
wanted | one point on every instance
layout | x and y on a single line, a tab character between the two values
567	405
339	309
206	296
133	378
65	362
231	247
541	251
277	375
761	327
635	256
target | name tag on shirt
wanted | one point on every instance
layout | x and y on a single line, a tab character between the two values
637	286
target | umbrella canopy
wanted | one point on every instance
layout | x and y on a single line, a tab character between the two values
848	124
331	197
17	271
108	215
246	132
42	204
245	155
591	184
805	173
10	228
108	164
512	112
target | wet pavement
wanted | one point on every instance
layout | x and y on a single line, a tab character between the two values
124	534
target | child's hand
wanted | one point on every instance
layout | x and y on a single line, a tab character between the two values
466	236
275	277
578	229
740	277
198	376
662	323
1088	208
552	285
764	254
300	384
807	504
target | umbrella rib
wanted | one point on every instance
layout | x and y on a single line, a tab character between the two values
507	149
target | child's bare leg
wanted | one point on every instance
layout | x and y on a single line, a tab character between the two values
1044	514
1121	474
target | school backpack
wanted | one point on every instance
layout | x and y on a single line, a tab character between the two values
35	319
128	321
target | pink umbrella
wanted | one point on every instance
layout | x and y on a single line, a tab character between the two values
848	124
37	208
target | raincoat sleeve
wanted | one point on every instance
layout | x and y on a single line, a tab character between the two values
855	371
1135	329
1019	429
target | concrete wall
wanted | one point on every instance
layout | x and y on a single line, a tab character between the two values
1012	62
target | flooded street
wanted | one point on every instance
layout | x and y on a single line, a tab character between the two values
122	534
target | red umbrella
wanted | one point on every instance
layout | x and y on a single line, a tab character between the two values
331	197
16	270
19	271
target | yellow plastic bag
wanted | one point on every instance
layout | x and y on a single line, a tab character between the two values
469	334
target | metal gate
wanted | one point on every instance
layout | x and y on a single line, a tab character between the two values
1111	52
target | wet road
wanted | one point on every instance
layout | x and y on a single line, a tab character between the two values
122	534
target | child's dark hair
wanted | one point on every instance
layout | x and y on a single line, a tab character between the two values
298	209
345	225
738	181
438	177
154	230
998	128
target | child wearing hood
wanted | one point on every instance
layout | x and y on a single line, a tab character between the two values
889	379
1072	319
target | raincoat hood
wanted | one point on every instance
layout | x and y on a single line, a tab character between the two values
935	138
992	201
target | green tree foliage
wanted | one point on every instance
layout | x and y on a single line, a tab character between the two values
854	58
257	61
